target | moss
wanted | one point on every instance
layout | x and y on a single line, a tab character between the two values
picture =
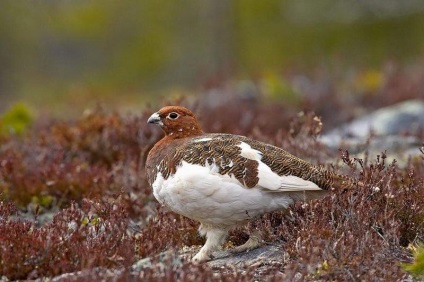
416	268
44	201
16	120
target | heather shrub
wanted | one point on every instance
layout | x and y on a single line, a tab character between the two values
90	173
68	161
361	233
167	230
94	234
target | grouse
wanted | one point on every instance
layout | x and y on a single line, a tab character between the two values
225	180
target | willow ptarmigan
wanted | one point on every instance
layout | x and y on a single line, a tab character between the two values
223	180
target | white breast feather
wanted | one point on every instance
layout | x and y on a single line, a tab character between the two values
197	192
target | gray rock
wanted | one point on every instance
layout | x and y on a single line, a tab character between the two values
159	262
254	257
405	117
384	129
223	258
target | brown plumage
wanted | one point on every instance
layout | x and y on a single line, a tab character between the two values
219	178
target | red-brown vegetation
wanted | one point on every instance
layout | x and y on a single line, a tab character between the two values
91	171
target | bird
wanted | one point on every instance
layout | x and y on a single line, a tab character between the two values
223	180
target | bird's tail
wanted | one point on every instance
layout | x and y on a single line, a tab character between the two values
340	181
330	180
335	182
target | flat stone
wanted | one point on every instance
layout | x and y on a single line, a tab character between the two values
254	257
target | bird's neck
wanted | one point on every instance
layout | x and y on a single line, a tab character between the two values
183	132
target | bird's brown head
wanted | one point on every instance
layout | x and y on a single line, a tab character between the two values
176	122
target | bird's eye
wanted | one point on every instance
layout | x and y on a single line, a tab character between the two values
173	115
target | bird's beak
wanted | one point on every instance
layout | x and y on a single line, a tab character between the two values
155	118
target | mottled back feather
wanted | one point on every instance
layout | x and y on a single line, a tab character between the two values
223	150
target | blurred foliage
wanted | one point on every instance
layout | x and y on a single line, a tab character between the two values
97	49
368	81
417	267
275	88
43	201
16	120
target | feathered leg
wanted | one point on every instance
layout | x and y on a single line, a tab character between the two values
214	239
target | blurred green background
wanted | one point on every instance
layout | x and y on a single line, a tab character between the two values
62	56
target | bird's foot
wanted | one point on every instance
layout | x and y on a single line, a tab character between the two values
255	241
215	237
201	257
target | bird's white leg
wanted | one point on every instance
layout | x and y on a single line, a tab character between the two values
254	241
214	239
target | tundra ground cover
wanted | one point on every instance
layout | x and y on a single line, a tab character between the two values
89	173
